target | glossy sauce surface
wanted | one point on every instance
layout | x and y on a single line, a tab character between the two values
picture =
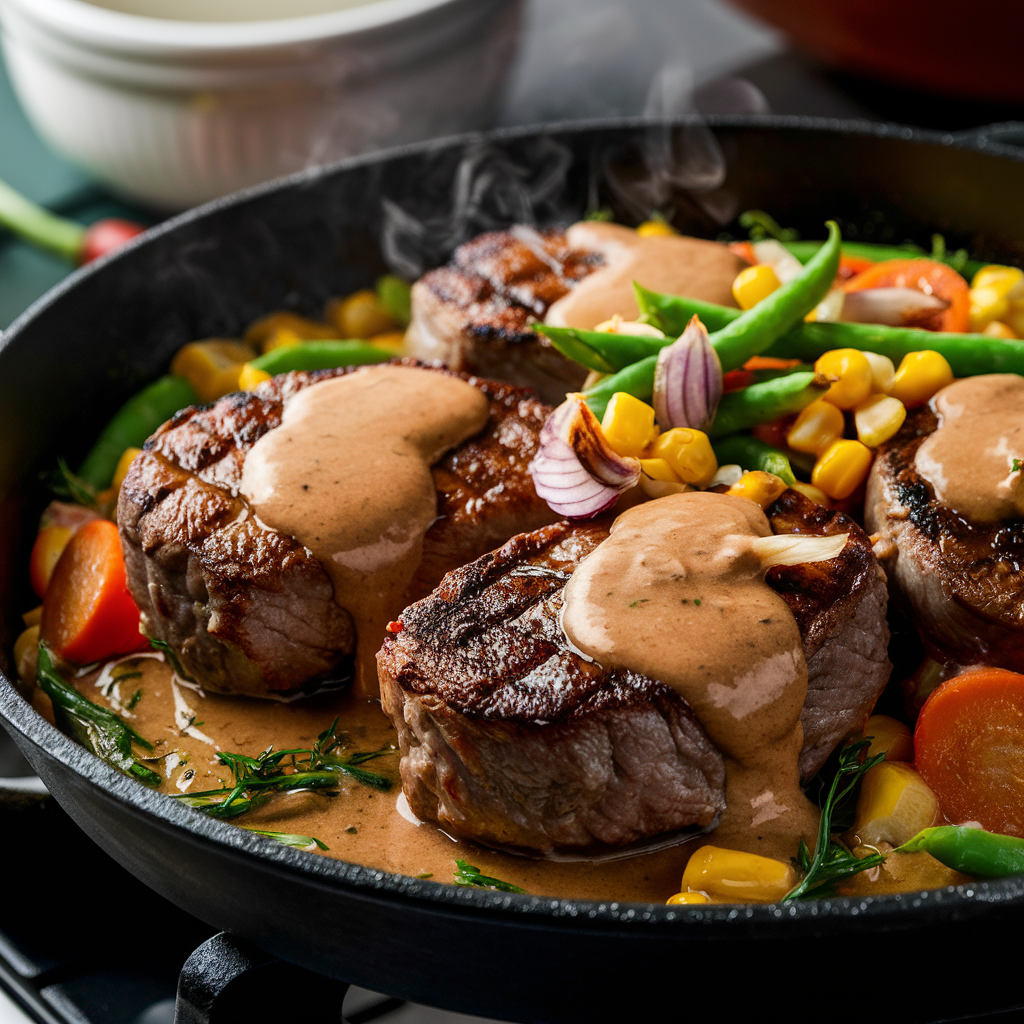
663	263
347	474
677	594
969	459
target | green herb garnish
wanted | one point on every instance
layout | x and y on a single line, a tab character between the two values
62	483
601	214
289	838
468	874
1018	465
95	727
134	699
172	658
280	771
957	260
763	225
832	861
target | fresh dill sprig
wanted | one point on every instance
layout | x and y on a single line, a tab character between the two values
134	699
95	727
469	874
62	483
289	838
258	778
832	861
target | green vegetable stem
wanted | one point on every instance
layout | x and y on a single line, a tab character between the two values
970	850
750	453
40	227
319	355
602	350
762	403
97	728
132	424
636	380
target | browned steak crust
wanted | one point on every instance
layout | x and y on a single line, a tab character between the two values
249	610
475	313
510	738
961	582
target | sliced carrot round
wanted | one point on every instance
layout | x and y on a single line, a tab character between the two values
88	613
928	276
969	747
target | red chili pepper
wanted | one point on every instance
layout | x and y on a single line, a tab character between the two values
396	626
107	235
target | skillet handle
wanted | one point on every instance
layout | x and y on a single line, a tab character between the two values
1003	135
22	791
227	980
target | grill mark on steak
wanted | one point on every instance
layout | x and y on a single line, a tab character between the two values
248	609
510	738
475	313
961	582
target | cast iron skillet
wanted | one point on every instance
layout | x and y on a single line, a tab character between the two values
93	340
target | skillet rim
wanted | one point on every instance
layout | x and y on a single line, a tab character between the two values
961	902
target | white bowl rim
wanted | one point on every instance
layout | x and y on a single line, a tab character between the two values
101	27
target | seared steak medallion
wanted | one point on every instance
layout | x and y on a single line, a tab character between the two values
961	582
475	313
510	738
249	610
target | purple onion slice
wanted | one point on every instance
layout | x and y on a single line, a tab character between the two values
575	471
688	381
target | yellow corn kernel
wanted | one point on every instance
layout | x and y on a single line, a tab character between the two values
628	425
687	897
659	469
987	304
1007	281
753	284
211	366
743	877
390	341
878	419
889	737
759	487
882	372
360	315
282	337
251	377
921	375
895	803
1015	318
812	492
997	329
121	470
25	649
689	453
817	426
842	468
306	330
853	378
34	616
656	225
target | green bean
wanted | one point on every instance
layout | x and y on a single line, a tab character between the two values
602	350
967	354
637	380
970	850
803	251
319	355
132	424
761	403
753	331
671	313
750	453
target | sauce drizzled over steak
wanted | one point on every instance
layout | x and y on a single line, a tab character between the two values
512	738
958	563
248	609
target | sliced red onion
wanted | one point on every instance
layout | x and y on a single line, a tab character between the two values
891	306
575	471
688	381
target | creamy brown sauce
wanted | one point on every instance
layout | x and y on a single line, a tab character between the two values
677	594
663	263
347	474
968	460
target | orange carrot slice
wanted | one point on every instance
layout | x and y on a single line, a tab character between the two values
969	747
88	613
927	276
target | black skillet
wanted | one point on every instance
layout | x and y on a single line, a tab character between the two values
94	339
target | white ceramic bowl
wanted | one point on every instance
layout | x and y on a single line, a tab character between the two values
174	112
